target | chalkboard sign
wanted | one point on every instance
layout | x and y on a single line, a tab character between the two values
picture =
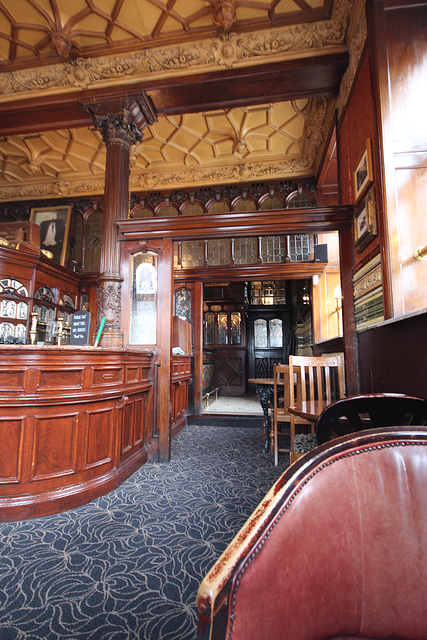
80	328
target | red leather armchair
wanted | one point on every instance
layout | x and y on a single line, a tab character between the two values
337	549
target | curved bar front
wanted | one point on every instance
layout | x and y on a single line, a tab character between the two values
75	422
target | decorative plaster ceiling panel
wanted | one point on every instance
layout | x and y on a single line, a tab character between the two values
273	140
34	32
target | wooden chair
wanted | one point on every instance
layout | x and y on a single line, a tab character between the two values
370	411
279	412
314	378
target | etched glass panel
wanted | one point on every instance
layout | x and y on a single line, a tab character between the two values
143	212
300	201
193	210
7	331
260	333
219	252
143	307
301	247
8	309
245	204
219	207
13	286
209	328
20	332
272	202
167	211
268	293
192	254
236	322
222	328
245	250
273	249
276	333
22	310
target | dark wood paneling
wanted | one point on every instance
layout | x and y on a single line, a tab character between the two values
230	370
54	445
69	435
11	451
392	357
181	379
99	436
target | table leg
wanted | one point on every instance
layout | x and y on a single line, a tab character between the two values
265	394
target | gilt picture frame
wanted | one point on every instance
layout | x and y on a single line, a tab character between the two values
363	173
365	221
54	223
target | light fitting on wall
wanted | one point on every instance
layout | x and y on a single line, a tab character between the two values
420	253
305	295
338	304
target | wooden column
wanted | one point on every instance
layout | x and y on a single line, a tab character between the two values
198	346
120	123
164	333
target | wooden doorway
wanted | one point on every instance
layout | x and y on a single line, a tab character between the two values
269	341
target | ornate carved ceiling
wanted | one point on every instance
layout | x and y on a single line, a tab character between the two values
55	48
247	143
38	31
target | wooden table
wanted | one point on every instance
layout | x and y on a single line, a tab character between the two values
310	410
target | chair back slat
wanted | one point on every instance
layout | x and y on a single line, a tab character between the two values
317	376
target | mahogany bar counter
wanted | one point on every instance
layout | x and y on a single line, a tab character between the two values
75	422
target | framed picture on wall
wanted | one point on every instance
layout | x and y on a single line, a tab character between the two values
363	173
54	223
365	221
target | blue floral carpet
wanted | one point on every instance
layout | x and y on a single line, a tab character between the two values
128	565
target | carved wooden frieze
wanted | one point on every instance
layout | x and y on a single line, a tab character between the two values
228	49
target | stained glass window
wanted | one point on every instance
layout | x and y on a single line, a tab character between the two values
222	320
183	304
236	322
209	328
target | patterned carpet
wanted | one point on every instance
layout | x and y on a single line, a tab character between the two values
128	565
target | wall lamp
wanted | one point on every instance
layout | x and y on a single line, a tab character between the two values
338	304
420	253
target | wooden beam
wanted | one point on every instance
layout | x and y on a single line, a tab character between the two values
239	224
273	82
276	271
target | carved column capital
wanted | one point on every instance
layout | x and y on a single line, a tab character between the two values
122	120
117	128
